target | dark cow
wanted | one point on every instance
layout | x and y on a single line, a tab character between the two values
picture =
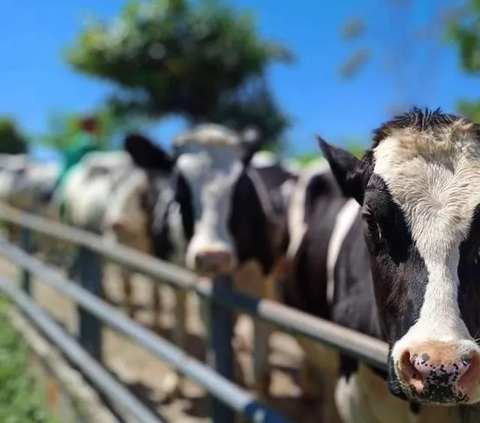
231	213
400	265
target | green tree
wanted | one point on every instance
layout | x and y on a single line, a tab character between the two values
464	32
191	58
12	141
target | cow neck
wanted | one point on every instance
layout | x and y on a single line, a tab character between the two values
263	196
343	223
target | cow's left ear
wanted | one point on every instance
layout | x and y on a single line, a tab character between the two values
251	143
146	154
346	168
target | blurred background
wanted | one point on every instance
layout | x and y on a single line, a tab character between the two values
289	68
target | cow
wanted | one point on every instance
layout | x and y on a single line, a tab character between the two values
315	203
26	184
127	220
102	178
127	215
400	265
231	213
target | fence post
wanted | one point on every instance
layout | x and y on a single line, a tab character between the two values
26	245
90	328
220	352
180	331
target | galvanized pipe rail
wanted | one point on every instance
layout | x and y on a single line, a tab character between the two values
229	393
363	347
123	400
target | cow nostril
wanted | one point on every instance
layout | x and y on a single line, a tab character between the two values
118	226
468	373
213	261
410	373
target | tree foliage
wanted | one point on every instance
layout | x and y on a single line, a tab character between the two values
12	141
192	58
464	32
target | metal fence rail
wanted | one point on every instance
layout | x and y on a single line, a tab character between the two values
366	348
121	398
229	393
93	312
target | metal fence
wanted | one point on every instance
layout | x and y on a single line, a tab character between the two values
227	398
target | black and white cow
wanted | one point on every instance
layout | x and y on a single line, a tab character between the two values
93	194
400	264
26	184
230	213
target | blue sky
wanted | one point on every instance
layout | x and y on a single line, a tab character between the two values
34	81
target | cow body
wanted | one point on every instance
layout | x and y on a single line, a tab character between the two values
405	271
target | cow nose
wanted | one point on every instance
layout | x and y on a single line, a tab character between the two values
213	261
118	226
441	372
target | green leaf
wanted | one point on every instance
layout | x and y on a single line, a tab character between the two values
12	140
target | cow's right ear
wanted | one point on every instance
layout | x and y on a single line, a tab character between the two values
346	168
146	154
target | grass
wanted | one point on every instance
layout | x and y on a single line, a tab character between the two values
21	400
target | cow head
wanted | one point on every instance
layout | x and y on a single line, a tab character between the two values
209	162
419	188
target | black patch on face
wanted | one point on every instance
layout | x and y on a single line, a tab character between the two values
183	196
157	228
249	225
468	274
399	273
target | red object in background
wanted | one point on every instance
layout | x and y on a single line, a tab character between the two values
89	125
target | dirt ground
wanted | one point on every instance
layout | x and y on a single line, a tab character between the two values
145	374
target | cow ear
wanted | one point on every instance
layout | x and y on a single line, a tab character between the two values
251	143
146	154
346	169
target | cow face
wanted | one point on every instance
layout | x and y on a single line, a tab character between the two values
419	188
209	163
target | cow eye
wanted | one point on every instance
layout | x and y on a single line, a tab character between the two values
373	228
374	231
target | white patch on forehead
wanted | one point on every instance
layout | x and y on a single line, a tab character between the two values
211	173
436	183
208	135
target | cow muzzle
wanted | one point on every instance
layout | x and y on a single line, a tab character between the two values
440	372
214	261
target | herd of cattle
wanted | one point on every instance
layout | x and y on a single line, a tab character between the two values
387	245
